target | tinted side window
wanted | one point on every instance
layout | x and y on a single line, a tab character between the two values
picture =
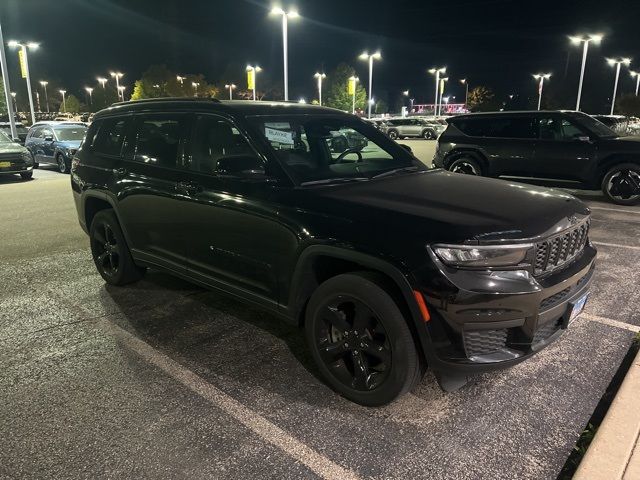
498	127
36	133
159	139
110	135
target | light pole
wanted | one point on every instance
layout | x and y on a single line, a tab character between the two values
89	90
252	73
121	91
230	87
15	103
102	82
24	57
117	76
319	76
637	77
617	62
195	86
466	93
285	17
541	77
442	82
406	94
64	104
44	84
577	40
352	89
7	88
437	71
370	57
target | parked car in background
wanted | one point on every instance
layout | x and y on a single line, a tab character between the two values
346	139
379	123
14	158
21	130
617	123
634	126
567	149
388	266
412	127
55	143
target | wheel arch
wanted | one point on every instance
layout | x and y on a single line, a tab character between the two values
474	153
607	163
95	201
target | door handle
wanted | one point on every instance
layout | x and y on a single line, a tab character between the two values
119	172
190	188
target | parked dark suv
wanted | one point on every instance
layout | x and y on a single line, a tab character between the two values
567	149
389	266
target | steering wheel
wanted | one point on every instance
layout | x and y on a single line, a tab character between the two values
347	152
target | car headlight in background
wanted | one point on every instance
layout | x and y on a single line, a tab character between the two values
482	255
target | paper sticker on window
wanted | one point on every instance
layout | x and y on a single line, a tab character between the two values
279	136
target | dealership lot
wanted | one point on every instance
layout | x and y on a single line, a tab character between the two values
164	379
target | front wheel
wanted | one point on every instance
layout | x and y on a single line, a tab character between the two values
621	184
465	165
393	135
62	164
26	175
110	252
360	340
428	135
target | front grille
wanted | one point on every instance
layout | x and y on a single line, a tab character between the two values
545	332
557	251
482	342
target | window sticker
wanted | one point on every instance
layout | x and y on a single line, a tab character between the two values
279	136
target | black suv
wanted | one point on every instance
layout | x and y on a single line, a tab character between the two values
388	265
566	149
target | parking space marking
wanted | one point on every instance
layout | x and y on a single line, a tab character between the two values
619	210
616	245
610	322
255	422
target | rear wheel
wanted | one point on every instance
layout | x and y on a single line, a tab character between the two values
428	135
26	175
393	135
62	164
360	340
621	184
467	165
110	252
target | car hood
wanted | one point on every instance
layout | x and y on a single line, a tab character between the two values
442	206
11	147
69	143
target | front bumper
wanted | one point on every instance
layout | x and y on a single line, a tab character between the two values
495	319
16	168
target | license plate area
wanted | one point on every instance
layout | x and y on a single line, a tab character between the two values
574	310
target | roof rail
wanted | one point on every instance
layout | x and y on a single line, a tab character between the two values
167	99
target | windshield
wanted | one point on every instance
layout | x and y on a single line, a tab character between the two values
4	137
70	134
325	148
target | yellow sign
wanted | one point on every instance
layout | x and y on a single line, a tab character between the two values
351	86
251	79
23	65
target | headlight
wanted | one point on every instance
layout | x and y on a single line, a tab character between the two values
482	255
26	156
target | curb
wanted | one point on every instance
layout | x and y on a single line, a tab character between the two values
614	453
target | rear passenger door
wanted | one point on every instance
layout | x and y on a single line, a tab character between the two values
150	202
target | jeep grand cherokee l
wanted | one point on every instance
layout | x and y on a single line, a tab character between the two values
388	266
567	149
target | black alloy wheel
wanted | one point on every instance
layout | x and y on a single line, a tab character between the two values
360	340
465	165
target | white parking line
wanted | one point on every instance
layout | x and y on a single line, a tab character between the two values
637	212
255	422
610	322
616	245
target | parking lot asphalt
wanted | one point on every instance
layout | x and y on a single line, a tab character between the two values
163	379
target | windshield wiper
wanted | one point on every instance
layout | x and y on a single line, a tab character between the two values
397	170
334	180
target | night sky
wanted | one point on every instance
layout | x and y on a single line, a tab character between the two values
497	43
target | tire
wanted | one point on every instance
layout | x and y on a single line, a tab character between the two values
393	135
110	252
621	184
62	164
372	366
466	165
26	176
428	135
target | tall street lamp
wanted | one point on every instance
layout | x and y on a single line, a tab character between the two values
64	103
442	82
577	40
370	57
195	86
230	87
637	77
437	71
406	94
541	77
466	92
102	82
15	103
7	88
351	88
252	73
319	76
25	72
89	90
617	62
117	76
44	84
285	16
181	79
121	89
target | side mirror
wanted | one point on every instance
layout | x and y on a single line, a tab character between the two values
48	138
406	147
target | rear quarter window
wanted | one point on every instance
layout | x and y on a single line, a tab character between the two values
498	127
